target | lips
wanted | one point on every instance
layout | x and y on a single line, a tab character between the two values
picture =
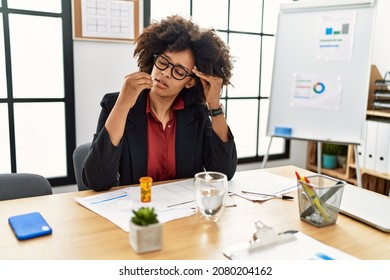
160	83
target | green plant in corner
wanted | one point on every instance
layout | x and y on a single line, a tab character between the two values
331	149
343	151
144	216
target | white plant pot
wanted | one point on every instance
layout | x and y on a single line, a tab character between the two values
145	238
341	161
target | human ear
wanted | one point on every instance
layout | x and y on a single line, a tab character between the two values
191	83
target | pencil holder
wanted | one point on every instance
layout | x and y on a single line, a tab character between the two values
319	199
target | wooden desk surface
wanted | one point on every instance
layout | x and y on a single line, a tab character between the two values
79	233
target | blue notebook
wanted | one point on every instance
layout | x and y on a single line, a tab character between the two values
29	225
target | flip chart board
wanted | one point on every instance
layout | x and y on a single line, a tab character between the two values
321	70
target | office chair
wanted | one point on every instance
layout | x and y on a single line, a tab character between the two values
79	155
20	185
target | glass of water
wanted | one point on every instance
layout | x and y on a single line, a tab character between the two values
210	192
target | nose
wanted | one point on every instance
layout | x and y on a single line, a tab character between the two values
164	73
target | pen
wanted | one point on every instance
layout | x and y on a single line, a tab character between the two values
181	203
267	194
313	196
109	198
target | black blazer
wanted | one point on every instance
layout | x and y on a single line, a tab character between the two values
197	146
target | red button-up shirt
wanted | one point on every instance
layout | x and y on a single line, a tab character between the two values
162	144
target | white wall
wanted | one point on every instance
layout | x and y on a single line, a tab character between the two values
381	47
101	66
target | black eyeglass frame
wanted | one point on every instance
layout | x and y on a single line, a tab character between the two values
173	67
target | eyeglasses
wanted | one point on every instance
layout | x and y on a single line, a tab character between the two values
178	72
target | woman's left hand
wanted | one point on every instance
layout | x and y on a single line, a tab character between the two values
212	87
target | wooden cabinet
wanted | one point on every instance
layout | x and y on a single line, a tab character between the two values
371	179
343	173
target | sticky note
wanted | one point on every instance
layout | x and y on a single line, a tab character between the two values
283	131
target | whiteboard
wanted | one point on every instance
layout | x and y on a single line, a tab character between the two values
321	73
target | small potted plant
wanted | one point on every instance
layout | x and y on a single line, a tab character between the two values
342	156
329	155
145	231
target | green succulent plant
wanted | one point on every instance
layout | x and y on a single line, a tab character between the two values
332	149
144	216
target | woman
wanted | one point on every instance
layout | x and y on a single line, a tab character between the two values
167	121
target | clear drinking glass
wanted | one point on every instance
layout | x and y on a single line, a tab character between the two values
210	192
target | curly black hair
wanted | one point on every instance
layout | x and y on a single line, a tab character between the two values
175	33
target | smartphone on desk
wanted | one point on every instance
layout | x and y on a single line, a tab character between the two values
30	225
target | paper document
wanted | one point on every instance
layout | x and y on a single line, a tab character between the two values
260	182
301	247
171	201
107	19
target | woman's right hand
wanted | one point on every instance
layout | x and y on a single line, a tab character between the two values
132	86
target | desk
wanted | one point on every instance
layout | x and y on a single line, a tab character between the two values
79	233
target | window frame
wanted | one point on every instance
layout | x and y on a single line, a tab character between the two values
68	99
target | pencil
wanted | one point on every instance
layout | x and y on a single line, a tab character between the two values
268	194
